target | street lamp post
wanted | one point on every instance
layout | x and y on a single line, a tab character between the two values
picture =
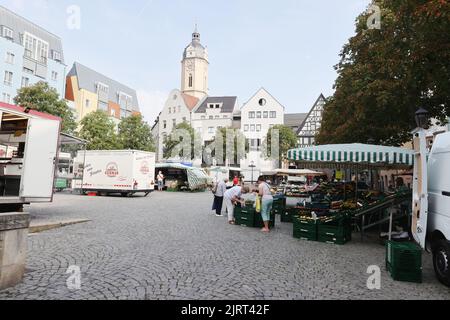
252	166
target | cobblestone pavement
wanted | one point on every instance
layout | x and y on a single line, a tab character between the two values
170	246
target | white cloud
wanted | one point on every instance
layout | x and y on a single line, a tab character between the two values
19	5
151	103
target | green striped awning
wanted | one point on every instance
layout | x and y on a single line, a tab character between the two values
380	156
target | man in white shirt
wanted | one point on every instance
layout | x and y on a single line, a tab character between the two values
220	190
231	197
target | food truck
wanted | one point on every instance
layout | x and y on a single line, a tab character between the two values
29	143
124	172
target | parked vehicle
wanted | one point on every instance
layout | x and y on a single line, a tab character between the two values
431	196
125	172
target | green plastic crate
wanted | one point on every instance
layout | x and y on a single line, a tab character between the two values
288	214
340	240
404	261
305	235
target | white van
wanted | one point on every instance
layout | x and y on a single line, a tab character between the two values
431	201
439	206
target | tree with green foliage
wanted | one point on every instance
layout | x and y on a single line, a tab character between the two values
183	142
98	128
386	74
286	140
135	134
41	97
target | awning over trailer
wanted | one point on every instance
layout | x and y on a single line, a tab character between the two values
67	139
197	178
351	155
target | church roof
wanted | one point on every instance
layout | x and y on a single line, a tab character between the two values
190	101
228	104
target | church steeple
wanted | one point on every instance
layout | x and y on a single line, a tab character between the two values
194	76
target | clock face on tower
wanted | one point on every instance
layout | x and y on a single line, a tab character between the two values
190	65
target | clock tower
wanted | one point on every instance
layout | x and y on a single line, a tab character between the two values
194	72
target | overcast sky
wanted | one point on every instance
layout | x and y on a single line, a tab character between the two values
287	46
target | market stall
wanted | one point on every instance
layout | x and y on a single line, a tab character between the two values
179	177
350	201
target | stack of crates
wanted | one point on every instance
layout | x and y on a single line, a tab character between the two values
247	216
279	205
287	214
404	261
305	228
335	230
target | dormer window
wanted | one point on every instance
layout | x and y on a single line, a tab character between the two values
7	33
56	55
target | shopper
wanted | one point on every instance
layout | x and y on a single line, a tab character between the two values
219	192
160	179
231	197
266	202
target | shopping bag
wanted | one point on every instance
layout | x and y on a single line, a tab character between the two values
258	204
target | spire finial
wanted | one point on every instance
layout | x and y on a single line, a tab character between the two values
196	34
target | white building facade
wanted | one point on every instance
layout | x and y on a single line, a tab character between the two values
258	116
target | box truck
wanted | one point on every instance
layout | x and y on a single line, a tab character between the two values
29	149
125	172
431	200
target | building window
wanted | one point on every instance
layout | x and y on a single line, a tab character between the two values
211	130
258	115
217	117
266	114
174	122
164	124
25	82
54	76
7	33
26	70
190	81
251	115
262	102
258	128
113	113
102	88
179	109
225	117
273	114
170	110
88	103
211	117
246	128
8	78
35	48
184	119
217	106
6	98
125	101
203	117
103	106
56	56
252	128
10	58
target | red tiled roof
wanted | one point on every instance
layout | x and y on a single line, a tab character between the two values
190	101
32	112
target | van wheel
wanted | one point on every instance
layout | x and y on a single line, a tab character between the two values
441	262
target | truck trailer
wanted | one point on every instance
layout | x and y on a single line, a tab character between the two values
124	172
29	150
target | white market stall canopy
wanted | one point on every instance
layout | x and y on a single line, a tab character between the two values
197	178
294	172
353	155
